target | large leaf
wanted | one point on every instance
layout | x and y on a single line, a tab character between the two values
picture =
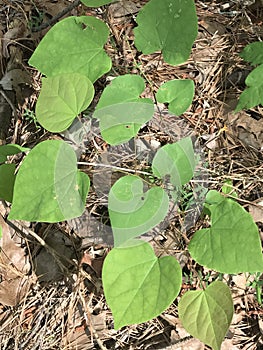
178	93
74	45
96	3
167	25
132	210
253	94
137	285
207	314
48	186
175	163
7	180
9	150
232	243
120	110
61	99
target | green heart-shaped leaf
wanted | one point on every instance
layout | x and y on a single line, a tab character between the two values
207	314
232	243
120	110
167	25
61	99
48	186
175	161
178	93
137	285
132	210
74	45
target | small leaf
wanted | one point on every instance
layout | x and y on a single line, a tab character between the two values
167	25
48	186
178	93
74	45
96	3
232	243
7	176
176	161
120	110
137	285
253	94
132	210
61	99
207	314
9	150
253	53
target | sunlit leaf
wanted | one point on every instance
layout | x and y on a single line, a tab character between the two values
73	45
133	210
207	314
178	93
175	163
232	243
137	285
61	99
121	111
167	25
48	186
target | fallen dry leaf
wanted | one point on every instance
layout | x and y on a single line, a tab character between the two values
14	266
48	267
257	210
247	129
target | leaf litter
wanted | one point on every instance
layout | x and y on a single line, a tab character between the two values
71	313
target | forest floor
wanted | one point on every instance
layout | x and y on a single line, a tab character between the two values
42	307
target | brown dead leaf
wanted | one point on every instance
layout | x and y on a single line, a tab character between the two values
213	27
14	266
189	343
257	210
247	129
13	78
52	7
48	267
77	335
119	10
228	345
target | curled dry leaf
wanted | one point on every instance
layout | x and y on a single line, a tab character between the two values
248	130
14	266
